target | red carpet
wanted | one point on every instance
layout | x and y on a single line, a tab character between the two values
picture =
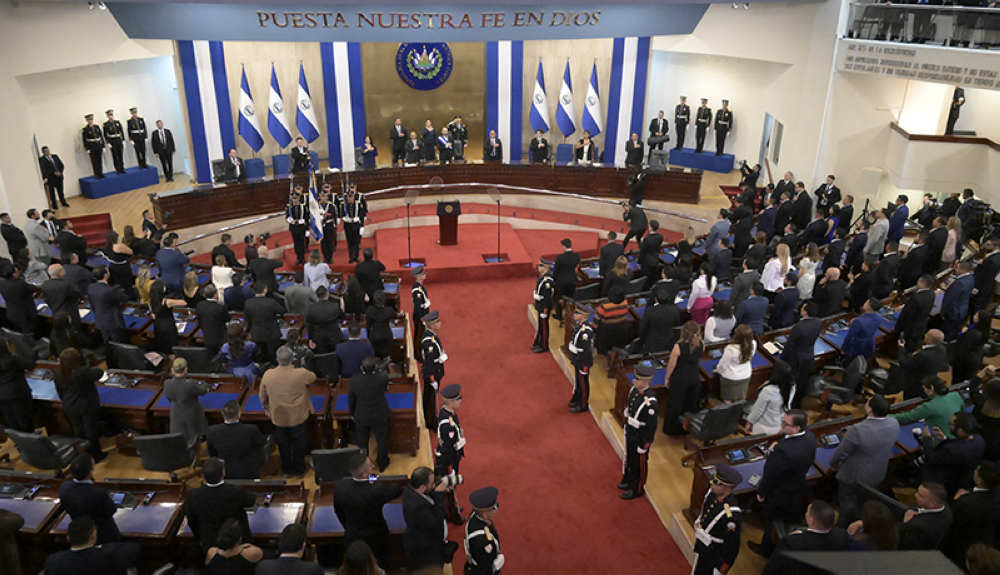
557	474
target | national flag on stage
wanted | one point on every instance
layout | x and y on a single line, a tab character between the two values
315	212
305	121
565	112
539	103
592	111
277	120
249	128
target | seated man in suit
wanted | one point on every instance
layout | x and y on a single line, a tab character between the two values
753	310
821	534
209	506
291	546
213	319
722	259
924	528
85	557
352	352
829	293
238	444
358	504
323	322
79	497
913	368
369	408
860	340
785	303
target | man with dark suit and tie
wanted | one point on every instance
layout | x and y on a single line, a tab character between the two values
930	359
821	534
634	151
835	250
924	528
782	487
369	408
148	225
213	318
79	497
137	135
52	176
397	134
638	223
860	339
743	282
291	546
609	255
846	212
657	331
425	514
722	259
85	557
358	503
539	148
106	302
493	149
829	293
209	506
803	207
912	323
955	304
897	221
856	251
262	313
70	242
323	322
936	240
649	254
61	295
752	311
827	194
785	184
682	117
984	278
15	238
784	214
300	157
565	276
799	349
785	302
767	219
351	353
658	127
163	146
233	168
238	444
173	265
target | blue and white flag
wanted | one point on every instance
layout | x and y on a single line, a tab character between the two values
316	213
305	121
249	128
277	120
592	111
565	112
539	103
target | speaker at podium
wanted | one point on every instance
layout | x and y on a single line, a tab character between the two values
448	213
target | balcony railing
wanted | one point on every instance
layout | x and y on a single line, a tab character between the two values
926	24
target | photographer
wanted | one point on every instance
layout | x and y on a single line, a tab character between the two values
358	501
424	510
370	409
750	176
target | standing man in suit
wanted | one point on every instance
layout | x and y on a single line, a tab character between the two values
137	134
233	169
957	101
803	206
912	323
929	360
397	134
209	506
860	339
827	194
323	322
369	408
358	503
70	242
723	125
682	117
106	302
93	142
79	497
702	122
60	294
413	149
222	249
425	515
85	557
173	265
785	302
924	528
784	215
15	238
262	315
863	456
742	283
565	276
634	151
52	176
657	331
785	184
798	352
830	292
955	304
835	249
751	312
718	231
300	157
984	282
213	318
782	488
493	149
636	217
658	127
163	146
351	353
369	273
239	444
114	135
39	237
460	137
936	240
821	534
888	270
649	254
722	259
897	222
539	148
816	230
292	546
767	219
609	255
976	513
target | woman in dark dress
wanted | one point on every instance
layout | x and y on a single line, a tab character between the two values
618	278
120	264
369	153
231	556
683	378
65	335
77	388
15	395
378	317
354	299
192	290
165	335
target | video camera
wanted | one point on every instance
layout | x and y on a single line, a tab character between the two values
258	241
450	480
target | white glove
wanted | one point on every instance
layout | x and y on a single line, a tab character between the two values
498	562
289	220
301	222
362	232
543	315
573	349
537	297
634	422
443	358
641	450
434	384
460	443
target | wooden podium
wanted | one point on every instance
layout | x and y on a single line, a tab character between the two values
448	213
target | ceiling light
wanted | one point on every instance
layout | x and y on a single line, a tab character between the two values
746	6
103	7
735	6
91	5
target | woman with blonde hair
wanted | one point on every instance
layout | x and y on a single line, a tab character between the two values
776	270
192	290
735	367
701	301
315	271
619	277
683	378
807	272
952	246
143	281
222	275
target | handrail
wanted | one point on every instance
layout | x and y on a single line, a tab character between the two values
944	139
438	188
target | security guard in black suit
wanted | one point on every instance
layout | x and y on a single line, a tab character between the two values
682	117
482	542
640	430
300	157
114	135
331	217
93	141
723	125
717	528
297	217
421	305
432	370
544	292
581	349
702	121
137	133
354	211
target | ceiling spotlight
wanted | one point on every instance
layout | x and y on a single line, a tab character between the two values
735	6
746	6
91	5
103	7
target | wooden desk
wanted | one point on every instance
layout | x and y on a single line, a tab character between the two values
231	388
39	511
187	326
319	432
398	352
402	397
823	351
761	370
623	384
206	204
137	317
152	524
288	505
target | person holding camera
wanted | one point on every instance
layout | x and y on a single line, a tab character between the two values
370	409
424	510
358	501
482	542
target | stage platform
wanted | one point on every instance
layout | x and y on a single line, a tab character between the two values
113	183
704	161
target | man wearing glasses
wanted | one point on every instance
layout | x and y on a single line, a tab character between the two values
717	528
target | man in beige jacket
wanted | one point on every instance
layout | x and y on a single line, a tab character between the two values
285	396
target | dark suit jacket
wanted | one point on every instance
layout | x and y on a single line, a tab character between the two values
912	322
780	564
783	483
239	445
916	258
800	347
207	508
229	170
925	531
830	297
226	252
79	499
766	221
398	138
173	266
741	287
803	210
634	152
564	271
16	241
984	275
49	170
109	559
150	225
976	517
827	198
784	217
784	186
860	290
424	535
213	318
786	302
846	216
300	161
815	233
955	304
366	399
262	319
752	312
369	274
263	269
105	300
323	322
721	262
493	154
236	297
350	355
71	243
935	242
915	367
856	253
79	277
287	566
609	253
358	505
20	298
656	128
649	251
161	146
834	253
637	219
656	331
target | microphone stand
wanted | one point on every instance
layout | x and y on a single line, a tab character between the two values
496	197
409	199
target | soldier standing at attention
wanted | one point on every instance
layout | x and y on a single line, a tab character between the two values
702	122
298	217
421	306
115	137
482	542
717	528
682	117
137	133
544	290
93	141
432	369
354	213
451	445
331	217
581	348
723	125
640	429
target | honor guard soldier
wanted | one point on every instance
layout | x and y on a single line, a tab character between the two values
682	117
702	121
354	213
421	306
137	133
432	370
93	141
581	349
640	429
297	217
723	125
331	217
451	446
482	542
717	528
114	135
544	290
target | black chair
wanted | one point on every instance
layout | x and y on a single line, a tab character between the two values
48	453
325	365
589	291
256	481
199	359
831	392
166	453
126	356
331	464
635	286
713	424
42	347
